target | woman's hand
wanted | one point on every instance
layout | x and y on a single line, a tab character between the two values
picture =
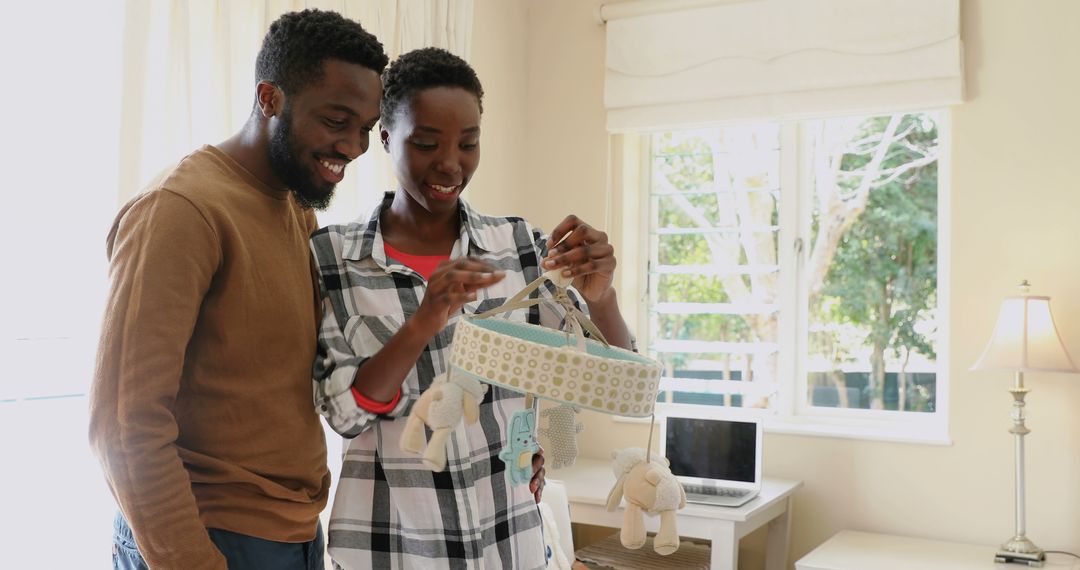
536	485
453	284
585	255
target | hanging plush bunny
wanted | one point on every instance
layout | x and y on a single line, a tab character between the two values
520	445
649	487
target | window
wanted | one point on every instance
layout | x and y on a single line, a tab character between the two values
794	267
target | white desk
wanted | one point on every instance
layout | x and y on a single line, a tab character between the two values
589	481
851	550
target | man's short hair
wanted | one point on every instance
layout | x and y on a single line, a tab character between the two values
298	43
421	69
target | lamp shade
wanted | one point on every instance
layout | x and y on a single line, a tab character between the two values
1025	339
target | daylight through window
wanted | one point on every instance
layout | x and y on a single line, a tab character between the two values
794	266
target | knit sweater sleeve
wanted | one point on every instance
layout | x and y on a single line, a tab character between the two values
163	255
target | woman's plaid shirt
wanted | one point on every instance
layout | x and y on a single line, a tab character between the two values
389	510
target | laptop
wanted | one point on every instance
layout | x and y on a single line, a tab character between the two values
718	461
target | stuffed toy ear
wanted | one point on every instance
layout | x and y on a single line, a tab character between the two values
615	496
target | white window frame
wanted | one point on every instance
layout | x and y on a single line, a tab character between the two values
790	413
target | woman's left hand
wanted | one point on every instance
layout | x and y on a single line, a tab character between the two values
585	255
536	485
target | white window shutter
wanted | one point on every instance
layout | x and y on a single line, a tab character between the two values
678	63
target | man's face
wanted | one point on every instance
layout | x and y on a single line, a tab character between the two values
321	128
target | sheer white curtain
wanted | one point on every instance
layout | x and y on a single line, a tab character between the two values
189	70
61	60
100	97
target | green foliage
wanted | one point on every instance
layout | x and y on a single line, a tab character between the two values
705	327
686	249
690	289
697	167
883	277
881	285
686	162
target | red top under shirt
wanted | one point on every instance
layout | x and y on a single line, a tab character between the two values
424	265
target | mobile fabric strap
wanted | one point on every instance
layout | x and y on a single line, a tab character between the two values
578	320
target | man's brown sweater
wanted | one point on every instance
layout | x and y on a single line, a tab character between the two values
201	406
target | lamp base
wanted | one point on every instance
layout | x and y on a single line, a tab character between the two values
1013	558
1020	550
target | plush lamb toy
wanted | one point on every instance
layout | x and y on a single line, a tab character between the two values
650	488
441	407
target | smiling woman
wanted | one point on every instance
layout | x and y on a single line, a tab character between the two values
388	322
437	142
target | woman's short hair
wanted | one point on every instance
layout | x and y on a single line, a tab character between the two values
422	69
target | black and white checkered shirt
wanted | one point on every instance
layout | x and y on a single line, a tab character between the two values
390	511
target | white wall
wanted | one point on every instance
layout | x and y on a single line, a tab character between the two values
498	55
1015	204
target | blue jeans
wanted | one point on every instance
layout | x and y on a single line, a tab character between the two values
241	551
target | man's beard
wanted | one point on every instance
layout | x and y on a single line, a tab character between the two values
284	160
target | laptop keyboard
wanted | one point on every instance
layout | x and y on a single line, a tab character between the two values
715	491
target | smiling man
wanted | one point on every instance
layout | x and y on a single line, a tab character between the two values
201	406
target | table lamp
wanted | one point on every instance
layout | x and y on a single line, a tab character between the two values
1025	340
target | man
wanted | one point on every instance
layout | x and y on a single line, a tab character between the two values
201	405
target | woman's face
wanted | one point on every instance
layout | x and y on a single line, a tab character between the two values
434	146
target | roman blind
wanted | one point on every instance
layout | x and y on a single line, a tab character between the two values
675	63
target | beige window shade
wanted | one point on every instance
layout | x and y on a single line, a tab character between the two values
677	63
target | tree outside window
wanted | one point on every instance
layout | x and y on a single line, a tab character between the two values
723	308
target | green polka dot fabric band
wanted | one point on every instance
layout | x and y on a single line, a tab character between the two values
559	366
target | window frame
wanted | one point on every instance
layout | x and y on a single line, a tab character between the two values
791	412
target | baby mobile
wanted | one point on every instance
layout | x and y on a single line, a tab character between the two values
567	367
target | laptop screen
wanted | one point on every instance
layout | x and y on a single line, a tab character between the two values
712	449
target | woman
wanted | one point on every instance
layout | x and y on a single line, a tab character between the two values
392	290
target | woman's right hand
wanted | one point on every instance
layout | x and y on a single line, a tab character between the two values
453	284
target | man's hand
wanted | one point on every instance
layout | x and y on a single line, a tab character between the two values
536	486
